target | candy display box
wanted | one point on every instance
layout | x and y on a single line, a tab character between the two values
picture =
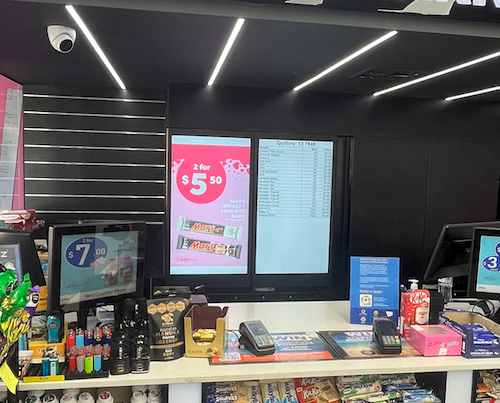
473	347
432	340
205	320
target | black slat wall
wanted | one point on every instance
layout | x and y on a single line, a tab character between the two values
93	156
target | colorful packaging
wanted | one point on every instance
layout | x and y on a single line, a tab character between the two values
316	390
287	391
432	340
351	390
166	327
227	392
414	310
253	392
270	392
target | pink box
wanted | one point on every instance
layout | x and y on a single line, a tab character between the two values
433	340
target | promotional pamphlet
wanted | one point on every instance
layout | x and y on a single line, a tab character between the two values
374	289
11	145
296	346
360	344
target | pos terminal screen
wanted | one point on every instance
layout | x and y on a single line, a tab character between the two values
10	258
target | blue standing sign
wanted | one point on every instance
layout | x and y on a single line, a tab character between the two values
374	288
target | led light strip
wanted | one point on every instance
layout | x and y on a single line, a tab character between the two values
346	60
227	48
71	10
438	74
473	93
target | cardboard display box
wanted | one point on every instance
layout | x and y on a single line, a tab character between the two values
207	318
40	345
472	348
432	340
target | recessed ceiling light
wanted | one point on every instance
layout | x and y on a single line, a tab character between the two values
438	74
305	2
473	93
227	48
346	60
95	45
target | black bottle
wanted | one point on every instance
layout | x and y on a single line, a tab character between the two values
142	322
120	354
140	356
128	323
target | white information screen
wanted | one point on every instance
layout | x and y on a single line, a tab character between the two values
293	206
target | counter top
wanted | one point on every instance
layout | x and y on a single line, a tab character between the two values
278	317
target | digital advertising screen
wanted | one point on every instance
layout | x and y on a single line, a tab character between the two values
488	270
294	192
210	189
11	150
98	265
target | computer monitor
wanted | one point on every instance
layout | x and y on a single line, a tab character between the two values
484	275
18	252
94	264
451	255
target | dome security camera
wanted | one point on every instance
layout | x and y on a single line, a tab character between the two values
61	38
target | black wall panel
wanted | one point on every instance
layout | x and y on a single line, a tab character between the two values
416	164
388	200
96	155
463	186
398	165
230	108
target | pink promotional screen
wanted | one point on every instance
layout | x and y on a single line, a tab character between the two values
11	145
210	185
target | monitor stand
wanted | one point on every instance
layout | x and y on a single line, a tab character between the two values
99	315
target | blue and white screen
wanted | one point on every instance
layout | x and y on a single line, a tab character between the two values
488	272
293	206
10	258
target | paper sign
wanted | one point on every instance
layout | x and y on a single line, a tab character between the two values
374	288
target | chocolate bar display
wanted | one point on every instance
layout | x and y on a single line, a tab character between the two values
216	248
186	224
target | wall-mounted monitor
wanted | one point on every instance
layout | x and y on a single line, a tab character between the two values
210	192
294	204
94	264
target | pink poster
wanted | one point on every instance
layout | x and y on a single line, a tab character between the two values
209	205
11	146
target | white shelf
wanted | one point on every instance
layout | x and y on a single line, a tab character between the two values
279	316
196	370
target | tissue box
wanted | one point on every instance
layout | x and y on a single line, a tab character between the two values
205	318
472	348
432	340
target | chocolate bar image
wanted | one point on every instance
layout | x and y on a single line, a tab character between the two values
216	248
227	231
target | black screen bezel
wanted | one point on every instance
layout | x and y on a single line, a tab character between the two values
217	283
30	262
294	283
462	232
55	234
478	233
331	285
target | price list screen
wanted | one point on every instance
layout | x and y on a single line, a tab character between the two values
209	205
293	206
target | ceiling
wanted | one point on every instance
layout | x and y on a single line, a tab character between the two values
279	47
